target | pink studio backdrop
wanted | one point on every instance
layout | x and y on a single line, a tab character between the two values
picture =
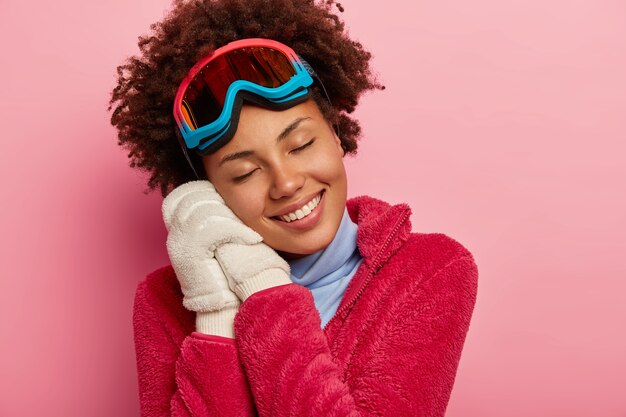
502	126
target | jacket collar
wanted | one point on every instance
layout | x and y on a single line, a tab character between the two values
382	228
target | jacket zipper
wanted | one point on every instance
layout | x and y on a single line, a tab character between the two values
371	272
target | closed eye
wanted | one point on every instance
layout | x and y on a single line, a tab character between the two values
243	177
309	143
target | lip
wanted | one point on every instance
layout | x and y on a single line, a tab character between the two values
298	204
309	221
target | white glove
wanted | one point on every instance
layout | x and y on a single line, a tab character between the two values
198	221
263	267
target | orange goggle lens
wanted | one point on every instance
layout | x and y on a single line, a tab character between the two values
204	98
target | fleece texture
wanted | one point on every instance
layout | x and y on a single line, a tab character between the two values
391	349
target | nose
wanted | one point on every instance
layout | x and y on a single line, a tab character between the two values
286	181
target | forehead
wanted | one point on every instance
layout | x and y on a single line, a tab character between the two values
259	126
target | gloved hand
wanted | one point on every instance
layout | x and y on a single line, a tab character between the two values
198	221
263	267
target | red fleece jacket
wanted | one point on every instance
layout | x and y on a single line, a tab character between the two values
391	349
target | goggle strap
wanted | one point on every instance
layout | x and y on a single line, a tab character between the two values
181	141
313	74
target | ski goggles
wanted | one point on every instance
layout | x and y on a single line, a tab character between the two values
209	99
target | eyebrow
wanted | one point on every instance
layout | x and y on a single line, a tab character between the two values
283	135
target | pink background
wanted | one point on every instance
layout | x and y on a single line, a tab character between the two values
502	125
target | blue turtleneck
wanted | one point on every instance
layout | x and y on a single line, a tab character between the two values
327	272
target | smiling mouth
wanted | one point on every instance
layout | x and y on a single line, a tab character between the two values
303	213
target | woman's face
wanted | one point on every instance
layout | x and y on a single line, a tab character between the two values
277	162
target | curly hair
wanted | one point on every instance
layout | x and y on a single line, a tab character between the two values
147	84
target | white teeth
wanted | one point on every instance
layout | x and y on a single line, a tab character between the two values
302	212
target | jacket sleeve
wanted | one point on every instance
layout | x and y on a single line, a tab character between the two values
407	359
200	377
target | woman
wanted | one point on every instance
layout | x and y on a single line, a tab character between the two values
283	298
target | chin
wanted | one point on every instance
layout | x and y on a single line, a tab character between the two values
304	251
292	255
294	252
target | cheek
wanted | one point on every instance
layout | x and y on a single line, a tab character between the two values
330	167
248	206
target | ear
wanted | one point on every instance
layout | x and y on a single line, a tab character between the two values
339	147
336	139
